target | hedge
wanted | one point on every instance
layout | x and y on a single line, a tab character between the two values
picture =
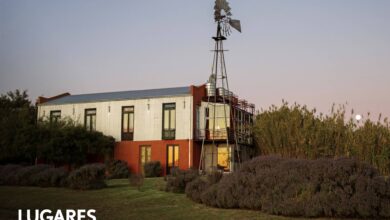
36	175
178	180
117	169
91	176
152	169
297	187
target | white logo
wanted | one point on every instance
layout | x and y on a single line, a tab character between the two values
47	214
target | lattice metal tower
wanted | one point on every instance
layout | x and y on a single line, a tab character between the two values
218	93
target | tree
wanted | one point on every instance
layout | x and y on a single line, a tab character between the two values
17	133
23	139
65	142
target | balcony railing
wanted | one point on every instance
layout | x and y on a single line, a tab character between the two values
213	134
222	134
168	134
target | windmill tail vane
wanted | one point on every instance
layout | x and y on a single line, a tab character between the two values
222	15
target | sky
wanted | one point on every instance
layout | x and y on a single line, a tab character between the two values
313	52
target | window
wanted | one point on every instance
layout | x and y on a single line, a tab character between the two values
199	131
55	116
197	111
169	121
128	123
219	121
90	119
223	159
172	157
207	115
144	155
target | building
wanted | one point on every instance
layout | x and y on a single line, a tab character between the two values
167	125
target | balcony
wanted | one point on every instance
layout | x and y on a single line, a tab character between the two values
168	134
222	134
216	134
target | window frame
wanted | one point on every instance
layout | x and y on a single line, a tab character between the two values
127	136
227	154
175	147
88	116
149	156
169	134
57	118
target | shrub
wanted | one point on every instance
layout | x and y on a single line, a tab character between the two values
17	128
23	138
26	175
66	142
7	172
36	175
214	177
136	180
295	187
117	169
195	188
160	184
152	169
179	179
91	176
208	196
52	177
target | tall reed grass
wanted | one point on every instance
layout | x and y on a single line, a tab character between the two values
299	132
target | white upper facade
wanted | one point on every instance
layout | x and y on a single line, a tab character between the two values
148	116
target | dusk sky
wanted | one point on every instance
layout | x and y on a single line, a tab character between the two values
314	52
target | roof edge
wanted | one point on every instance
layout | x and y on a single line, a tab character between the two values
53	100
41	99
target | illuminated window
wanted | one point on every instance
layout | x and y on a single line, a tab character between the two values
55	116
144	155
127	123
169	121
223	159
90	119
219	121
172	157
197	111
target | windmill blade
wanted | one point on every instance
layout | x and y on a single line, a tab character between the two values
218	4
222	5
236	24
227	7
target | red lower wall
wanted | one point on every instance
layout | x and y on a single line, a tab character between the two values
129	151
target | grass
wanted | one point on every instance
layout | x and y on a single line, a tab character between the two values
118	201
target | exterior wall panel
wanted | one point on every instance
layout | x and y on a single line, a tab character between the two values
147	112
129	151
148	119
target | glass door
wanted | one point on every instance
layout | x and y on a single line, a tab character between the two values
172	157
144	155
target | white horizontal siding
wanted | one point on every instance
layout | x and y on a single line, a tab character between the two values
147	122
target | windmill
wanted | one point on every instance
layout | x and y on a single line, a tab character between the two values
219	95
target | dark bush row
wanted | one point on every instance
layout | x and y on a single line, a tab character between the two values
196	190
152	169
39	175
91	176
136	180
178	180
117	169
7	172
294	187
52	177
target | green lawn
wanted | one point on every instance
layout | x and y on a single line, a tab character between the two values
118	201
